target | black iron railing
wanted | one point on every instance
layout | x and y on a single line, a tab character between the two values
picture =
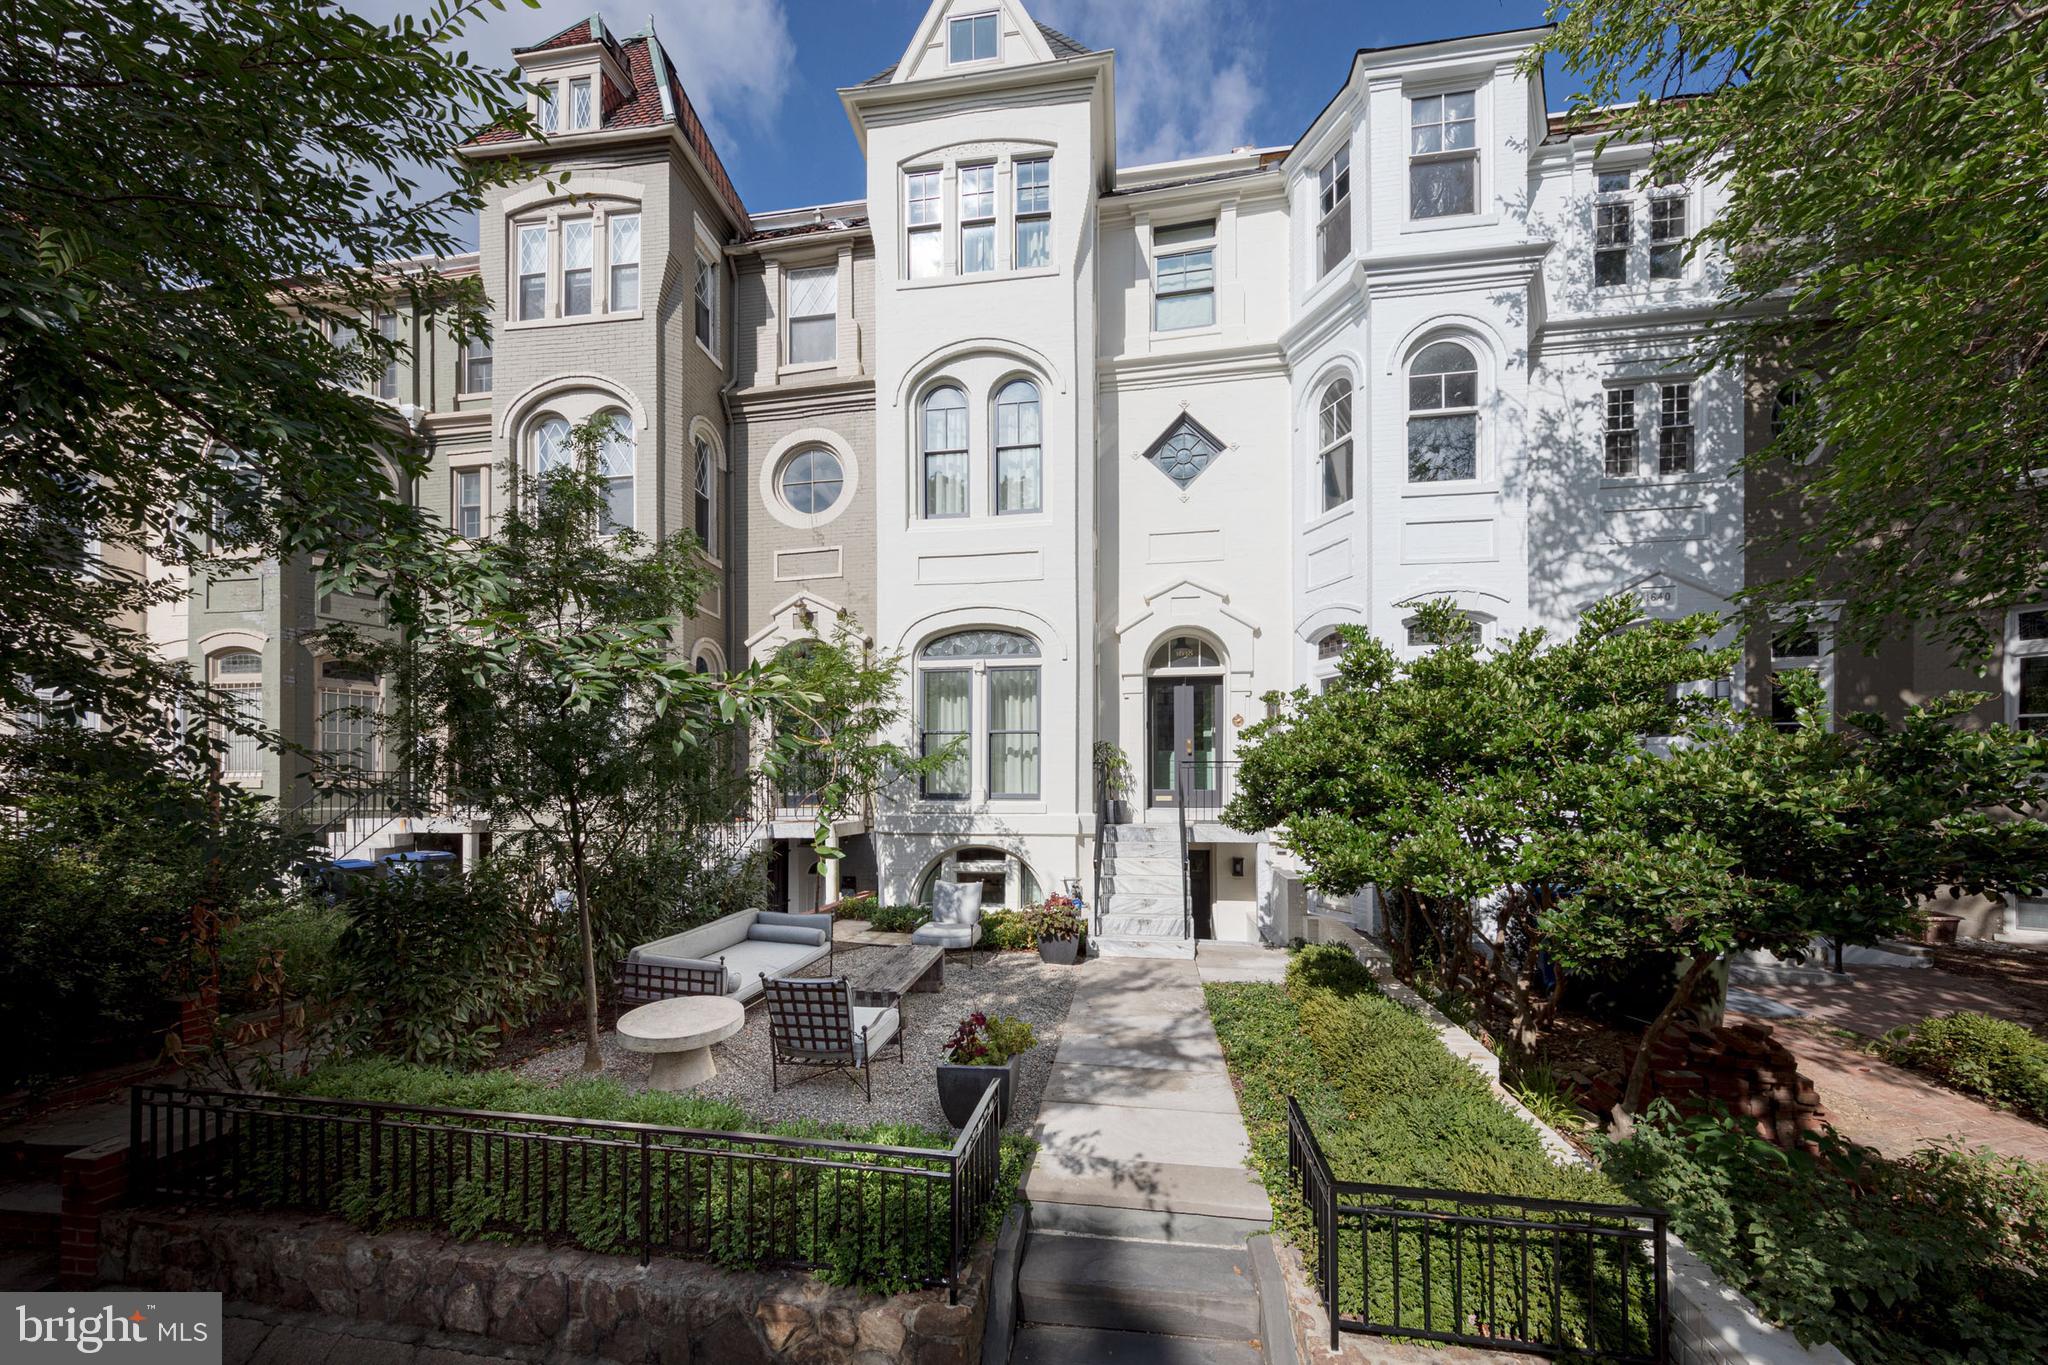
1544	1277
1205	786
351	807
742	1198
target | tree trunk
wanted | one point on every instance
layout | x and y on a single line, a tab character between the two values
1636	1093
593	1055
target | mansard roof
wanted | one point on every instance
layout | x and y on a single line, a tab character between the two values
653	101
1060	43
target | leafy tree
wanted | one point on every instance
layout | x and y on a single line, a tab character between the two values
539	681
1509	809
169	171
1452	781
1884	238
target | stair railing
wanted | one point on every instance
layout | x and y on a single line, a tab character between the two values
1181	773
1101	833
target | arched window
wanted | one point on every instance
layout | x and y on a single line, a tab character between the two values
1443	414
615	461
1331	646
1006	880
1184	652
551	448
944	445
811	481
980	682
237	676
1421	637
1333	444
1018	462
704	495
346	702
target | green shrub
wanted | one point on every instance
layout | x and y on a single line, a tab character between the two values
1390	1105
1006	931
867	1240
1996	1058
304	931
442	970
1940	1256
895	919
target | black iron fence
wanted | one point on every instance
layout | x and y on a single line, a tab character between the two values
866	1212
1205	786
1544	1277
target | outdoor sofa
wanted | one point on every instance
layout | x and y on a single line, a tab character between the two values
745	947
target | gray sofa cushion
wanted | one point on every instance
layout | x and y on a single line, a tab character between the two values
946	935
732	982
754	959
785	933
881	1025
811	920
706	940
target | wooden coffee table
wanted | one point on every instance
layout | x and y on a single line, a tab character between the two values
896	971
677	1036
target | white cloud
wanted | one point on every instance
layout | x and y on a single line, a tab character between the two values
1186	81
736	57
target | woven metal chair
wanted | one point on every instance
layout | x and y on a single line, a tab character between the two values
635	982
826	1025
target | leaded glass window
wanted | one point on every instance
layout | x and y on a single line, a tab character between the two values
615	462
551	448
1184	451
982	644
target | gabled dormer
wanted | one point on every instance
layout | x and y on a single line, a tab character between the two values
581	75
962	37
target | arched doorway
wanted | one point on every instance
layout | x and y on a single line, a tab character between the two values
1183	729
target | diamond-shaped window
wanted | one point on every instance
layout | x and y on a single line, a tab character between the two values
1184	450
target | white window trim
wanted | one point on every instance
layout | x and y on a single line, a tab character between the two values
1820	618
980	775
456	474
1484	210
2015	650
1153	253
949	226
999	174
973	62
1344	203
552	275
1483	477
788	315
1318	449
768	478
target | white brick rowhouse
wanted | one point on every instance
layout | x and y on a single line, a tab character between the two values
1104	452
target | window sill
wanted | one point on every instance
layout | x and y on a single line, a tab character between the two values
480	395
535	324
709	354
1331	516
1450	488
1210	330
1609	482
1450	222
1043	272
808	367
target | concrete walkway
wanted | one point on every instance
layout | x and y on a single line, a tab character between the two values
1139	1113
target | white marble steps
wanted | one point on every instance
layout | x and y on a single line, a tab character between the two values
1108	945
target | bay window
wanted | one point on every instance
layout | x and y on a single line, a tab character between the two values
1333	456
533	271
1443	155
1034	213
1443	414
624	230
706	299
579	246
1333	200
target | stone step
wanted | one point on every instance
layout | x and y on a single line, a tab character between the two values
1142	834
1145	1225
1090	1346
1109	945
1140	882
1150	907
1104	1282
28	1272
31	1212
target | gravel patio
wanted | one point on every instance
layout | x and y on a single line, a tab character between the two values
906	1091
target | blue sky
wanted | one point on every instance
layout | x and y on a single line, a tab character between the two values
1193	76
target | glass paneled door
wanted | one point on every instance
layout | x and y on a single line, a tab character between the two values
1183	732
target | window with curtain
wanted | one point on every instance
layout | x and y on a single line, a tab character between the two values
579	248
944	445
1018	459
1333	438
813	309
624	230
998	666
947	724
924	217
1034	213
1443	155
1012	732
705	497
551	449
615	462
977	219
1443	414
238	680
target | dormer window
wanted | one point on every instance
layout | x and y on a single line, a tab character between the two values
549	109
580	108
971	38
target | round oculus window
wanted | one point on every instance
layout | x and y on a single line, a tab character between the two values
812	481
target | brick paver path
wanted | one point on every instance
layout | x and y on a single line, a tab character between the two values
1881	1105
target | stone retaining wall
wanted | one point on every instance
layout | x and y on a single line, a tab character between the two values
563	1300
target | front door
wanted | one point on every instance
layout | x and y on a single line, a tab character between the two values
1183	735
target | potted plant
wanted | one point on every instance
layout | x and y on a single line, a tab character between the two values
1114	769
982	1052
1058	929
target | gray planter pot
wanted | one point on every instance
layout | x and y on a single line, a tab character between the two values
960	1089
1060	952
